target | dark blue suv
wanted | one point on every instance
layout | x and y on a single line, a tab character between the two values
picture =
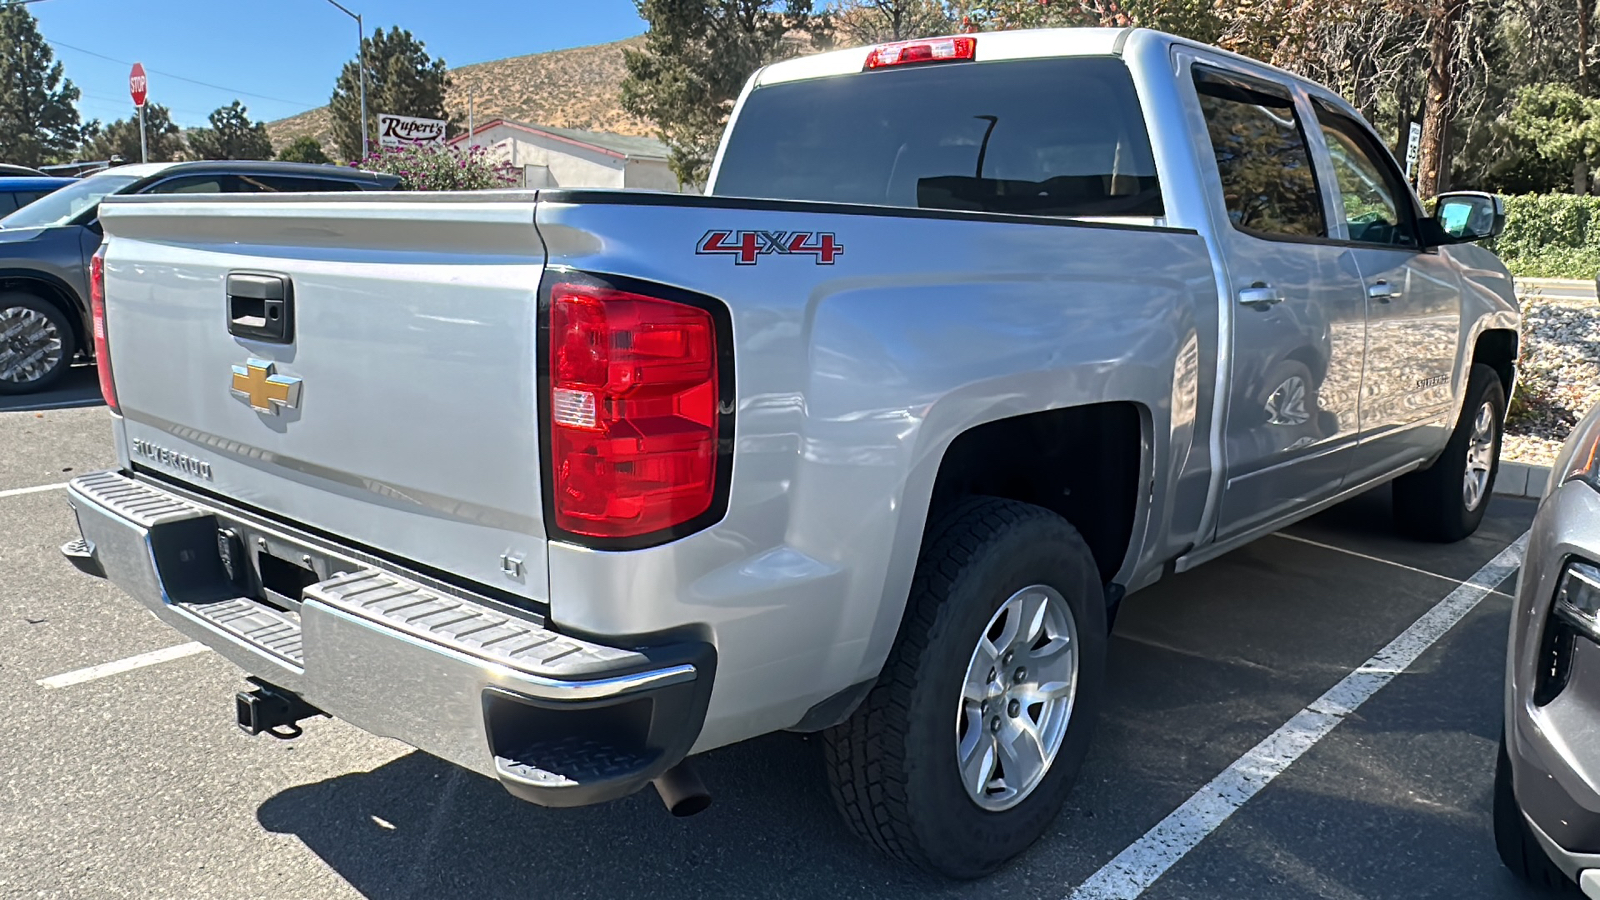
18	191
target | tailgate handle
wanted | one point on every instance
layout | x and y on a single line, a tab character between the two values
261	307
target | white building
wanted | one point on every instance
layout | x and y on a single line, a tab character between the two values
568	158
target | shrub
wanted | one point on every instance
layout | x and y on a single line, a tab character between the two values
305	149
1551	236
434	167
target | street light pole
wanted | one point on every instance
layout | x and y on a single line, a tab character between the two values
361	69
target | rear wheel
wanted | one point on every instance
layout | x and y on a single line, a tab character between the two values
1519	849
36	343
965	750
1446	501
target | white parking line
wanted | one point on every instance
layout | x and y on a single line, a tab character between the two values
1367	556
165	654
17	492
1133	870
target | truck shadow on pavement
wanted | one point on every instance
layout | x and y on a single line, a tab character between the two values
420	827
79	387
1202	667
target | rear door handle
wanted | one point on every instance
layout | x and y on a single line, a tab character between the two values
261	307
1383	291
1259	296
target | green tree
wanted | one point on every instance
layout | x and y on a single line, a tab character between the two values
1560	125
38	121
304	149
402	79
121	138
231	136
696	58
858	22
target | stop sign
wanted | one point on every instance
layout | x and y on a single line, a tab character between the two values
138	85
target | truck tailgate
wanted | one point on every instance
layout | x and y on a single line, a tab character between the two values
411	429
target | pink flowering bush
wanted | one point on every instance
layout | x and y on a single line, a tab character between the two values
436	167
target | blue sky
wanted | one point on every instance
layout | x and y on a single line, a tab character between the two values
289	50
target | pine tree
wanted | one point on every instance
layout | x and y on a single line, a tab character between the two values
304	149
121	138
38	122
231	136
696	58
402	79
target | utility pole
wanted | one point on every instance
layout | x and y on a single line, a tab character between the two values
361	70
472	140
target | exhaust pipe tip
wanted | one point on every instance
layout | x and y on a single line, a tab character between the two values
682	790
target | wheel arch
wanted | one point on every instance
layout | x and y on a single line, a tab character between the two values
57	292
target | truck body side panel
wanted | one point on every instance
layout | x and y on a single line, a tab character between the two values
852	380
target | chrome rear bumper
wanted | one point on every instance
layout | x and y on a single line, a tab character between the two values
558	720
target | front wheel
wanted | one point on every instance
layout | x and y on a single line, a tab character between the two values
964	752
1446	501
1519	849
36	344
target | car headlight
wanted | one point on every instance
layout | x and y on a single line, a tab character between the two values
1580	458
1578	598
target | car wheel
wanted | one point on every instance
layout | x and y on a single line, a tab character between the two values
1446	501
965	749
1518	847
36	343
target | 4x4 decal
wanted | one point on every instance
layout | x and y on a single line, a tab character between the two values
747	247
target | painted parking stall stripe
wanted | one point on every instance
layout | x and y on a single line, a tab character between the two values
1136	868
17	492
104	670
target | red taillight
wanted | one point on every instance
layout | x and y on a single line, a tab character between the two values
634	411
97	312
935	50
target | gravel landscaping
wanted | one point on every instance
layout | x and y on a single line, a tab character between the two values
1559	378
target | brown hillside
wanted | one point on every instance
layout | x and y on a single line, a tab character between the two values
575	88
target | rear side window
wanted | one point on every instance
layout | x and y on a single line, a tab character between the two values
1268	182
288	184
10	203
1041	137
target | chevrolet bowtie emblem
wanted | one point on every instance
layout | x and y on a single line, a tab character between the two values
255	383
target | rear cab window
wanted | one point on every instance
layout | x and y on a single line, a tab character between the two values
1058	137
1269	184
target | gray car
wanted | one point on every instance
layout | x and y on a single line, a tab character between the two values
45	249
1547	786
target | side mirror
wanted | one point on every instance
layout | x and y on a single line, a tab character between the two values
1467	216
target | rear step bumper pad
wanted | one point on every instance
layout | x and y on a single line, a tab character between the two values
557	720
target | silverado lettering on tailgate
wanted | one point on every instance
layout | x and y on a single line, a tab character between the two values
747	247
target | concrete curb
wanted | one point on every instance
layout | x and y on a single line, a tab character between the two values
1579	283
1521	480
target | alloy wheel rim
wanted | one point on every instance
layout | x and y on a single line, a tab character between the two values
30	345
1017	698
1287	404
1480	458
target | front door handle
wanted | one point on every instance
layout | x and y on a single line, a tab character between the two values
1260	296
1383	291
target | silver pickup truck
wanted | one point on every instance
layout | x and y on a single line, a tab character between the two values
565	487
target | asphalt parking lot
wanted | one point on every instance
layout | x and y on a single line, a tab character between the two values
138	784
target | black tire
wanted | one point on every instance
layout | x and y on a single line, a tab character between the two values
69	344
1430	504
893	765
1519	849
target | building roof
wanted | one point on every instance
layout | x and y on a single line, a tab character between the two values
621	146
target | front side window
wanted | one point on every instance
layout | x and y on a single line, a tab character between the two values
1039	137
1376	205
1268	182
